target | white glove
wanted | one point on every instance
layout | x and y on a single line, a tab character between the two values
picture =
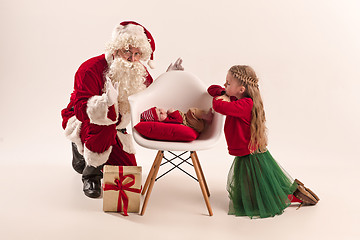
112	92
176	66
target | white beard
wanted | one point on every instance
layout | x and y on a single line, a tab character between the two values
131	77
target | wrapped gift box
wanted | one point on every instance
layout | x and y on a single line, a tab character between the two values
122	187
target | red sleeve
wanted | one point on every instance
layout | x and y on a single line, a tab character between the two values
216	90
240	108
174	117
86	86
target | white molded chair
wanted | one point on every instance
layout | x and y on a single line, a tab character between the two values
179	90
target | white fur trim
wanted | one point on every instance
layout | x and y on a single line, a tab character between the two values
116	31
97	110
151	64
96	159
134	35
72	132
126	141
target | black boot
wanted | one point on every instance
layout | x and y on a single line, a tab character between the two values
78	161
91	178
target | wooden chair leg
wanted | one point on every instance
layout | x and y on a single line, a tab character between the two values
156	164
202	174
201	182
151	173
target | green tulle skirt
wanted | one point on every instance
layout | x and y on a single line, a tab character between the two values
258	186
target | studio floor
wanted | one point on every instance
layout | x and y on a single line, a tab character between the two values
305	53
45	201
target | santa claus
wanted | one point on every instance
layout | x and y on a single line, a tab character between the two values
95	120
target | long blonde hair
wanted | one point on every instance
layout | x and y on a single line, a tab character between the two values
246	77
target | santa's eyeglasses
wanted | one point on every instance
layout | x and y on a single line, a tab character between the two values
127	54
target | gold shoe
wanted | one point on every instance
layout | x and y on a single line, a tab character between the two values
307	196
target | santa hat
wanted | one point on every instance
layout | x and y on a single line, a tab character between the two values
149	115
131	29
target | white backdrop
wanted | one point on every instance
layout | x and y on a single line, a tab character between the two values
306	54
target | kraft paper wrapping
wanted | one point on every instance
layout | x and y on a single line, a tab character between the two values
111	197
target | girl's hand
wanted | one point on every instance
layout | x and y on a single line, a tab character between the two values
225	98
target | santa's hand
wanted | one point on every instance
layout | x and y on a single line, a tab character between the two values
176	66
111	93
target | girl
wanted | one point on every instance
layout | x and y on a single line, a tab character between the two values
257	185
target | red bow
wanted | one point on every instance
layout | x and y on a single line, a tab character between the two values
119	186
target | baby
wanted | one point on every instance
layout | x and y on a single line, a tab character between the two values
194	117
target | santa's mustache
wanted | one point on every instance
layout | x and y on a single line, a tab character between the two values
120	69
131	77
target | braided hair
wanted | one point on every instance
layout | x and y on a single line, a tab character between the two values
246	77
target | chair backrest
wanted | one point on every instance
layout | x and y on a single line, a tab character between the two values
179	90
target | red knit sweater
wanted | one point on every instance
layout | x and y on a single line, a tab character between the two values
237	123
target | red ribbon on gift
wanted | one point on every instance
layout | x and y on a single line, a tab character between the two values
119	186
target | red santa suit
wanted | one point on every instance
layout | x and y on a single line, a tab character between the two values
97	129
